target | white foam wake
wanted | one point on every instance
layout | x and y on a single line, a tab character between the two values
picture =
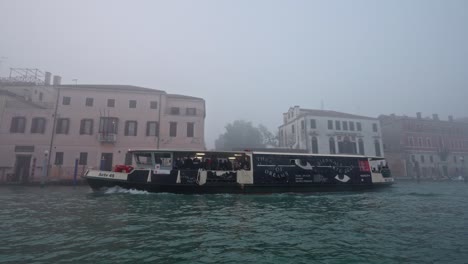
118	189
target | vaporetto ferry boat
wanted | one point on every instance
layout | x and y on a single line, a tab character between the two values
178	171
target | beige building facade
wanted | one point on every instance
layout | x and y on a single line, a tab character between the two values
46	129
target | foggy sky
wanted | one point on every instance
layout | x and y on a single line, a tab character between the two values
253	60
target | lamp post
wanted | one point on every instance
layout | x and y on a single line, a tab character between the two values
45	167
75	171
462	159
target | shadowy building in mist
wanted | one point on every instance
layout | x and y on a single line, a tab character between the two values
49	123
425	147
330	132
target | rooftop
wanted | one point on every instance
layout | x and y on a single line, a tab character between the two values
330	113
112	87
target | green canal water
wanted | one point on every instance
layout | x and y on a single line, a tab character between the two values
407	223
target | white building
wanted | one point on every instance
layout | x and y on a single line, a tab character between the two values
330	132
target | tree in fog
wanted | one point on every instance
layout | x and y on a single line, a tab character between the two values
269	139
242	134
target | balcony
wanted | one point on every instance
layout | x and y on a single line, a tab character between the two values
107	137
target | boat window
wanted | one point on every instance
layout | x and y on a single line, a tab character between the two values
212	161
143	159
163	159
378	164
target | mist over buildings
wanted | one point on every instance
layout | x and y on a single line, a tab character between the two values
253	60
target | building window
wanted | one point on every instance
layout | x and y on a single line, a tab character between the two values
191	111
292	129
337	125
351	126
18	124
130	128
41	96
66	100
190	129
346	146
86	127
63	125
361	146
359	126
83	158
313	124
153	105
38	125
345	125
89	101
302	124
172	129
175	111
132	104
331	142
420	142
428	142
455	159
374	127
410	141
431	159
314	145
377	148
152	129
108	125
110	102
58	158
330	124
422	159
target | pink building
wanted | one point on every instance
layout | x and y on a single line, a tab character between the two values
94	124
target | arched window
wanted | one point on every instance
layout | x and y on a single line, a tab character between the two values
377	148
361	146
346	146
331	141
314	145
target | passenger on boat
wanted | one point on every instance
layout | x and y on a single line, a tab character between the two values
196	163
157	160
214	164
178	164
188	163
207	163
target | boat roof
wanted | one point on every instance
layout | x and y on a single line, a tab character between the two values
256	152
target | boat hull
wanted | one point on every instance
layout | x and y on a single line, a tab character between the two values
98	184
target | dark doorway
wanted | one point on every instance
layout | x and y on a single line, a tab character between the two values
445	170
106	161
22	168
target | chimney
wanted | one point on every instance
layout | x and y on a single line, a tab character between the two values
48	77
450	118
435	117
418	115
57	80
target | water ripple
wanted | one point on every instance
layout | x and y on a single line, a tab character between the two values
409	223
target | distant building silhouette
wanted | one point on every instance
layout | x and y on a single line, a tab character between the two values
429	147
